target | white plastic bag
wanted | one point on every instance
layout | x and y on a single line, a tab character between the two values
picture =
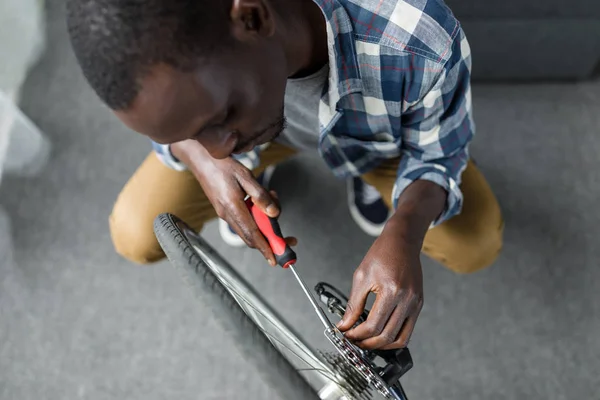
22	40
23	148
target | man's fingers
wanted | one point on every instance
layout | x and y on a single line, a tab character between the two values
260	196
246	228
404	335
249	231
389	333
290	240
356	304
385	304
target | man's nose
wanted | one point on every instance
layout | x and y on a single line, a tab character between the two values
219	142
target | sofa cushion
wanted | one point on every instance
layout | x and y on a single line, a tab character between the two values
525	9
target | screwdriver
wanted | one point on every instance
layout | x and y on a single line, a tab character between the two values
284	255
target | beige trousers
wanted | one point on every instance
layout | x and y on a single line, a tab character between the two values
466	243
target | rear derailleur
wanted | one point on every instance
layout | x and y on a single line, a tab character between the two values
390	365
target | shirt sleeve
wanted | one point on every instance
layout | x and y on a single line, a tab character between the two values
437	129
163	151
250	159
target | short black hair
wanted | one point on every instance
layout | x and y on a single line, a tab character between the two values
116	41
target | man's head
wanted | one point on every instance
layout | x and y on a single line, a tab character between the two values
210	70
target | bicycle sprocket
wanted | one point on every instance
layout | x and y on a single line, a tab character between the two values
352	355
354	384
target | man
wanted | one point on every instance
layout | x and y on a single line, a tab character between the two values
379	88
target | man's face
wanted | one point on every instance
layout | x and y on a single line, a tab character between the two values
230	103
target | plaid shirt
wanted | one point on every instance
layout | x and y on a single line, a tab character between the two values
399	86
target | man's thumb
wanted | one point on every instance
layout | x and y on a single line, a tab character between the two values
349	319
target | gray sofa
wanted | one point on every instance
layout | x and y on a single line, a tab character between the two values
531	39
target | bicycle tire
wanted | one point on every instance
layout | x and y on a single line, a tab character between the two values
272	366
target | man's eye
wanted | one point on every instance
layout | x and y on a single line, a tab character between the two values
205	130
229	117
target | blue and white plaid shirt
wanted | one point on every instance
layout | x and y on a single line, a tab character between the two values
399	86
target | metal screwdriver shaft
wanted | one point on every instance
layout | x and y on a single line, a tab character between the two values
316	306
284	255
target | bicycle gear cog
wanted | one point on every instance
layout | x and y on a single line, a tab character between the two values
354	384
352	355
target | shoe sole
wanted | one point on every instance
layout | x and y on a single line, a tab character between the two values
229	237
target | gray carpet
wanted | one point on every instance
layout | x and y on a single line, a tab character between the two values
76	321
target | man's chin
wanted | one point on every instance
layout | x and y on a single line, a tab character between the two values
264	138
242	150
270	137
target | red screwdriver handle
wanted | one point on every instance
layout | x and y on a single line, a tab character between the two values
269	227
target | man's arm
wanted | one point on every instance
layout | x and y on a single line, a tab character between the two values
249	160
435	134
435	137
226	183
421	203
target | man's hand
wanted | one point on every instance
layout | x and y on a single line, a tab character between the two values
226	183
392	270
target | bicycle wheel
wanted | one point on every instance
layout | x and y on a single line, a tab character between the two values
283	360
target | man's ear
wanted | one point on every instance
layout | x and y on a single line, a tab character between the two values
250	18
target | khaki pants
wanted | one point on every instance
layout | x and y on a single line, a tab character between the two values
465	243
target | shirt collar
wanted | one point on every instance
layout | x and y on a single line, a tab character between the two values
344	74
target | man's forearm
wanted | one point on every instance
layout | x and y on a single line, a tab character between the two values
185	150
420	204
192	154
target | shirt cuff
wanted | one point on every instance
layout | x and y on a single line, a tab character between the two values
437	174
251	159
163	151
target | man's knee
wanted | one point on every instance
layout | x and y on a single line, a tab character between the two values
132	234
477	251
469	252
